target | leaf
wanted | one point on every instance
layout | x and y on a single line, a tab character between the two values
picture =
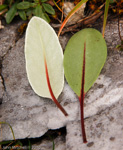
48	8
44	60
22	14
5	142
84	57
10	2
39	13
33	5
95	58
29	145
29	12
53	147
112	1
3	7
105	16
71	13
46	17
11	13
44	1
23	5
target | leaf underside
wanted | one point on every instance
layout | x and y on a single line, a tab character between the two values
50	89
44	58
40	38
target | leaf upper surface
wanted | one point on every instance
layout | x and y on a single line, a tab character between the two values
95	57
11	13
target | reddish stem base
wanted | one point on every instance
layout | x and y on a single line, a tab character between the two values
82	96
82	121
50	89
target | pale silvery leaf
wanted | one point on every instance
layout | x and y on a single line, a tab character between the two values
41	41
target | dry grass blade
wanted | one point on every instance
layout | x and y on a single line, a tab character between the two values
95	12
86	21
105	16
10	128
71	13
57	6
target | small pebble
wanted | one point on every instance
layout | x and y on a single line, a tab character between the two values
90	144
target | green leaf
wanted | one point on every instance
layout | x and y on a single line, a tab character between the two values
11	13
30	146
112	1
36	1
44	60
33	4
53	147
48	8
95	57
22	14
10	2
45	17
44	1
23	5
29	12
5	142
38	11
84	57
2	7
118	46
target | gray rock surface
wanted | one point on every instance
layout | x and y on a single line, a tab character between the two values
104	131
1	90
8	37
59	144
32	116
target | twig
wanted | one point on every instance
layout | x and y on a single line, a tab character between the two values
86	21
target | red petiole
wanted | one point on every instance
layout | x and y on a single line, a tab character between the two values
81	97
50	89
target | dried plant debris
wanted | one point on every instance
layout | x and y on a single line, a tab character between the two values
67	7
1	26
